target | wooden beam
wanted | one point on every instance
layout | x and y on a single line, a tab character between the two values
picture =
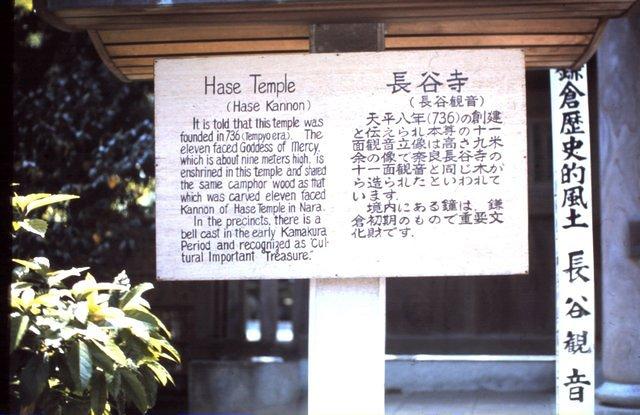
137	31
308	12
86	8
105	56
183	33
471	41
148	60
593	45
208	47
493	26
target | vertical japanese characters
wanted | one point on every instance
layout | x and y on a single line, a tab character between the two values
575	337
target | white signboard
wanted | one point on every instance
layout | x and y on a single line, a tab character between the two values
575	298
341	165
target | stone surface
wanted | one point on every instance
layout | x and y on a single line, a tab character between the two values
241	386
451	403
612	410
619	135
622	394
468	376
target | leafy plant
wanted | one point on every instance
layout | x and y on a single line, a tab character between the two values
83	347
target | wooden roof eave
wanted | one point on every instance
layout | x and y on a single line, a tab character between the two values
129	34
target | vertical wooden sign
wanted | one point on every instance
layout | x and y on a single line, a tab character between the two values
575	299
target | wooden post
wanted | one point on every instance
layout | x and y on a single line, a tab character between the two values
346	316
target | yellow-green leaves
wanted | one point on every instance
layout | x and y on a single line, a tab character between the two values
113	352
25	204
134	297
37	226
135	391
56	277
20	203
25	4
19	325
160	372
141	313
38	264
89	346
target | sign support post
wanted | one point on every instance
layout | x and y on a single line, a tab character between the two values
346	346
347	316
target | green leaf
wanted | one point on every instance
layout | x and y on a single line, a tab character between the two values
80	364
101	359
56	277
160	344
85	286
114	316
28	264
37	226
150	386
21	202
51	299
16	301
98	393
113	351
33	378
76	407
85	365
64	373
135	292
135	390
137	328
144	315
161	373
115	385
43	262
172	351
81	312
18	287
97	333
39	264
27	295
18	329
48	200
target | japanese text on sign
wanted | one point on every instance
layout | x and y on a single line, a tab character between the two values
575	337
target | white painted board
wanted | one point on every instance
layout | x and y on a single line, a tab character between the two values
575	277
378	164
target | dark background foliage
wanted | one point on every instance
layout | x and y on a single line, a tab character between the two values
79	130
